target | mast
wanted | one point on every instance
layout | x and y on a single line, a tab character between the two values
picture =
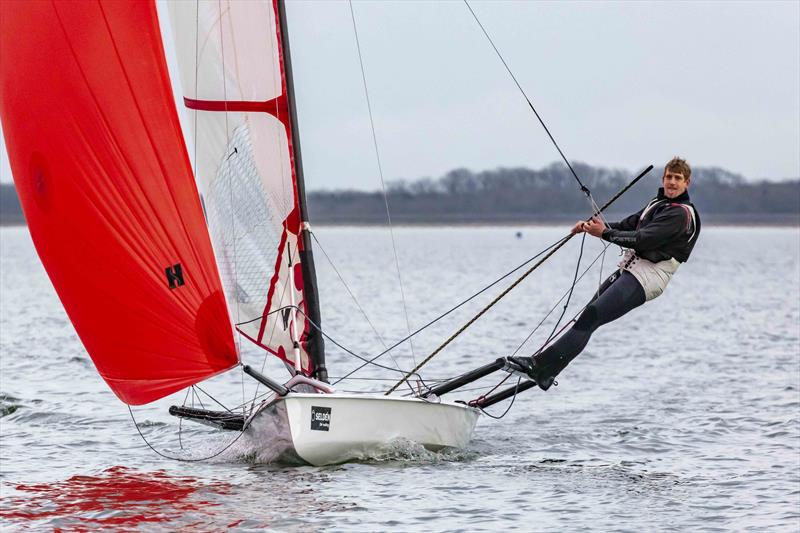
316	344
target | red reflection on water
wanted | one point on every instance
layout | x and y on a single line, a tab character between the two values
117	498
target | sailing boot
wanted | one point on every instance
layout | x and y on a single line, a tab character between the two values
538	372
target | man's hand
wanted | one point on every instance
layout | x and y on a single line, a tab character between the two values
594	227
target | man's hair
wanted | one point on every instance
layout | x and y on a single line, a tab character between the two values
680	166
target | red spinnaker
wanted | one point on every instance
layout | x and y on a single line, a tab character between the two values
108	192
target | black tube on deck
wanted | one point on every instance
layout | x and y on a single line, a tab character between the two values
486	401
264	380
463	379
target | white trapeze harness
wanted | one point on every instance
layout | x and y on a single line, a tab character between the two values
654	277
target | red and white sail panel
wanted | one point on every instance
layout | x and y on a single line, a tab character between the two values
231	67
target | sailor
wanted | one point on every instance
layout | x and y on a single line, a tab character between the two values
657	240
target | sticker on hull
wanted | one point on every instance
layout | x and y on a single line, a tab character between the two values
320	418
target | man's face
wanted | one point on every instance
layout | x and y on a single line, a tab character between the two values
674	184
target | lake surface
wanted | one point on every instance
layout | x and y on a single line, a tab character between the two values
684	414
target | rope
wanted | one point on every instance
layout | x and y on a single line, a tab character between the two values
181	459
571	320
498	384
261	317
196	386
380	173
269	341
430	323
571	290
322	332
513	399
530	104
366	361
601	254
180	420
452	337
219	452
552	249
353	296
602	264
558	246
452	309
583	187
199	399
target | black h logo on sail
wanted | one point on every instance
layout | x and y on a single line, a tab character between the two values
174	276
286	314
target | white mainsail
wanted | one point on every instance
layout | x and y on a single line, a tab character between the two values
231	67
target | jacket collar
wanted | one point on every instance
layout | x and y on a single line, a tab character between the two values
682	198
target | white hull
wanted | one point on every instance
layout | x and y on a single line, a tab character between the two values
323	429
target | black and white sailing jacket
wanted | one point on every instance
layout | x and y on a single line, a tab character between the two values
659	237
664	228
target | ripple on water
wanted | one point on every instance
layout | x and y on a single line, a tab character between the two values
55	419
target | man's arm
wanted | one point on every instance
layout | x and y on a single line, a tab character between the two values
664	227
628	223
597	226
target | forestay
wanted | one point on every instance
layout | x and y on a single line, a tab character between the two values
232	72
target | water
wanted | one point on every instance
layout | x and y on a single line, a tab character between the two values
685	414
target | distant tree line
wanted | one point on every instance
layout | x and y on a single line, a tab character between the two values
523	195
551	194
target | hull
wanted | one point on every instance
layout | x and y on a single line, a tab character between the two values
324	429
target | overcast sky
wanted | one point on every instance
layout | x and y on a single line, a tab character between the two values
620	84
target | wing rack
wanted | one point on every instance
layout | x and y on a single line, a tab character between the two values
217	419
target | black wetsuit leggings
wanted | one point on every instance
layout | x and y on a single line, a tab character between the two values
616	296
